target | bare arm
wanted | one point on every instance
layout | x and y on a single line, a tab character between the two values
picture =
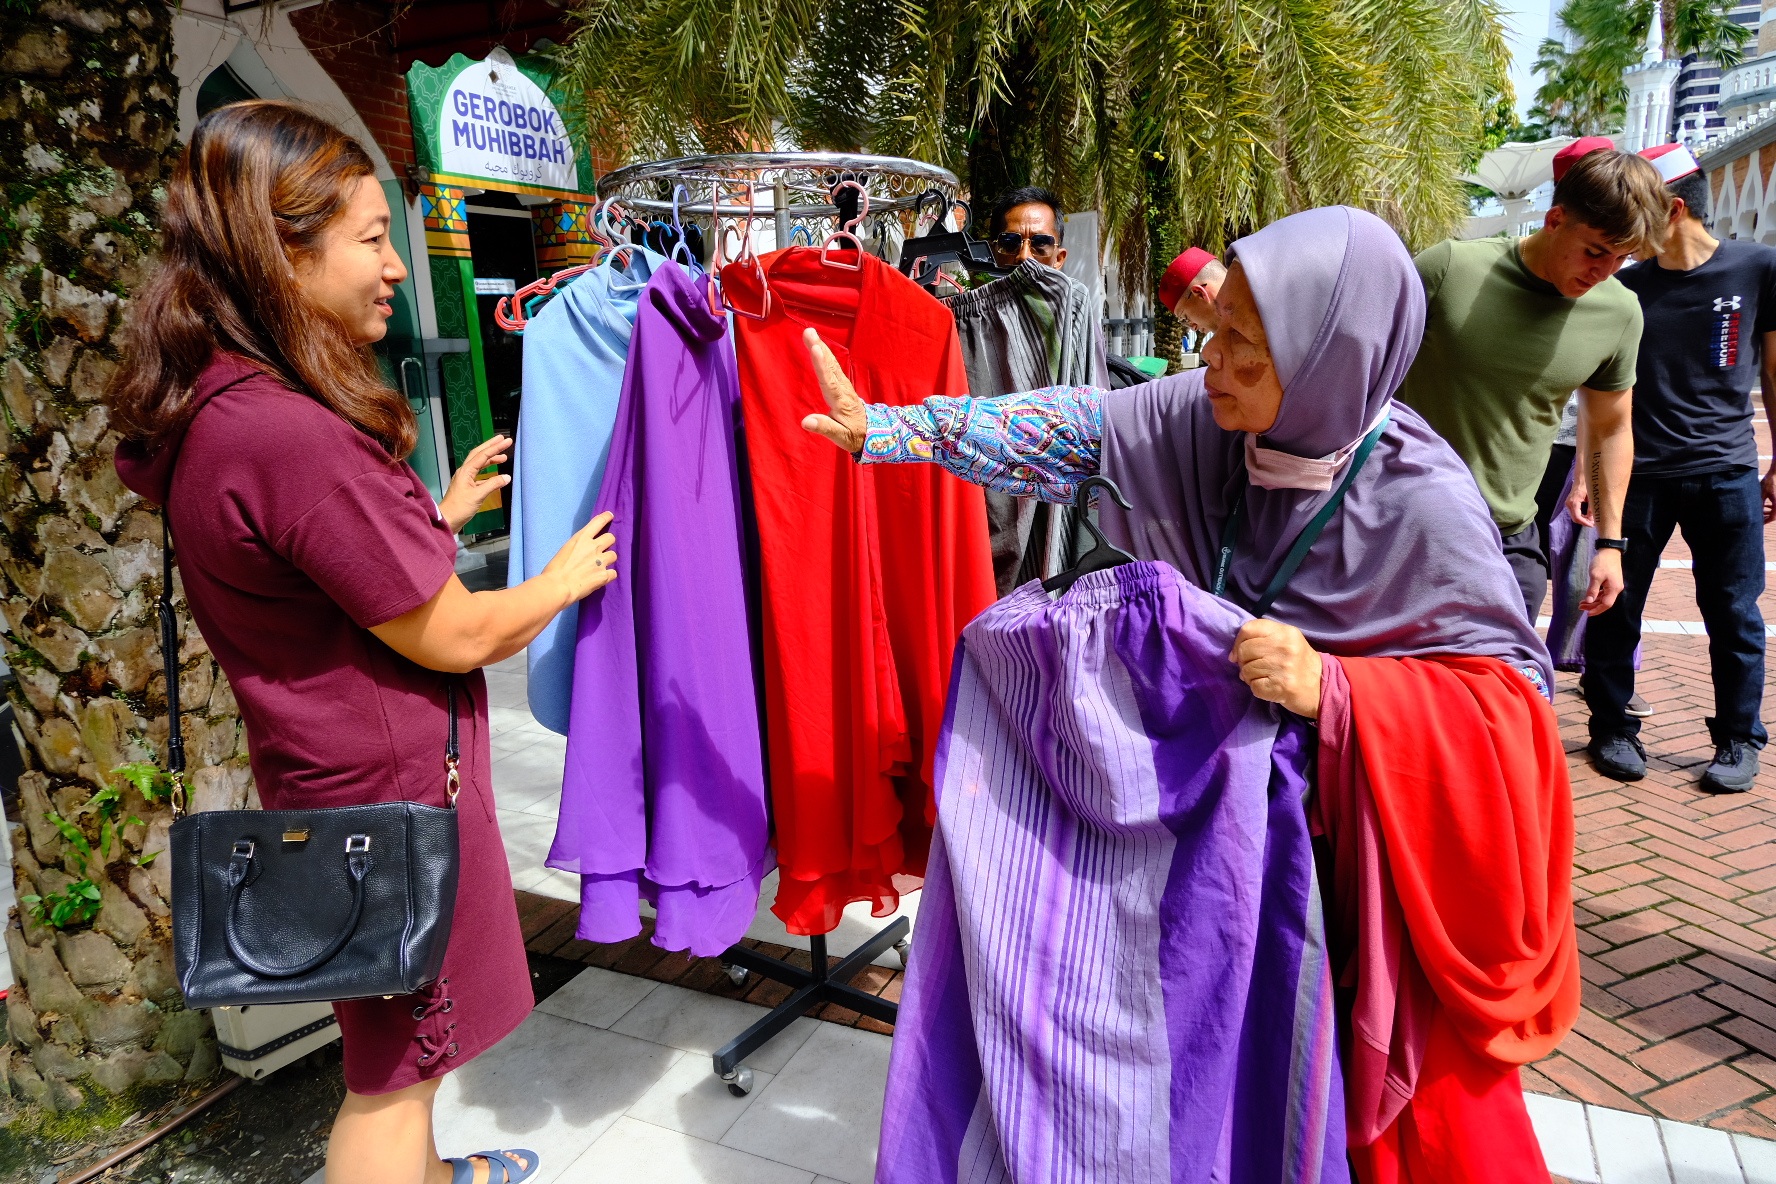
1767	378
1606	451
458	630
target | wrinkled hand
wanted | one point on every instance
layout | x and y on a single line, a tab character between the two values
1576	509
845	426
1606	582
1770	495
585	562
468	489
1280	667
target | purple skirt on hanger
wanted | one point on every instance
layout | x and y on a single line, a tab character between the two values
1119	973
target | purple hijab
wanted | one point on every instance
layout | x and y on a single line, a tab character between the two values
1411	563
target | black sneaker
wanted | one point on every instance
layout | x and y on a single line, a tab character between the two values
1637	707
1620	756
1734	769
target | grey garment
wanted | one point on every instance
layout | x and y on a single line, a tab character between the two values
1032	329
1569	423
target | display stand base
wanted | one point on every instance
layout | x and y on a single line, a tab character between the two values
810	989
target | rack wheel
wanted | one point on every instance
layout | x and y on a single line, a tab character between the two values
736	974
739	1082
904	947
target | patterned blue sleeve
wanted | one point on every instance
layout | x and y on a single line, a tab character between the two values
1034	444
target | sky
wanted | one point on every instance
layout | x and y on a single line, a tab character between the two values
1526	24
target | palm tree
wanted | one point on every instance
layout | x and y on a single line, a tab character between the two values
1584	93
91	102
1184	121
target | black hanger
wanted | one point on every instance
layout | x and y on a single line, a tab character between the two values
940	246
1103	553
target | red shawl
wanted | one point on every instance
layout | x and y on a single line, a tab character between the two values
1444	795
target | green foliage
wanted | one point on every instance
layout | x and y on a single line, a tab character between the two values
150	780
1584	93
78	904
1250	109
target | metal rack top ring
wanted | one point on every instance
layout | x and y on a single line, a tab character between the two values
895	183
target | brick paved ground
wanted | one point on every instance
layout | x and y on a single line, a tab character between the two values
1676	894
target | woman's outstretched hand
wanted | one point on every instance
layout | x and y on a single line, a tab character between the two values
1280	667
468	489
585	562
845	426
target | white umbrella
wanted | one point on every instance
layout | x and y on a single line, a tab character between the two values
1513	170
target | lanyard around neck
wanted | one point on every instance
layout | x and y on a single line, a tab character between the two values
1303	541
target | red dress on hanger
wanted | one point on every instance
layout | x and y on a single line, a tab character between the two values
867	575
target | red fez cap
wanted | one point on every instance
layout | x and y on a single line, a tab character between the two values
1176	280
1569	155
1673	161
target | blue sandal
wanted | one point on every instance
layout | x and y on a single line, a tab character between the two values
462	1171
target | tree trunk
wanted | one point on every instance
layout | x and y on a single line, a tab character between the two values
88	119
1667	30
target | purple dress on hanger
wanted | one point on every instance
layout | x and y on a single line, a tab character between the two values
663	797
1120	969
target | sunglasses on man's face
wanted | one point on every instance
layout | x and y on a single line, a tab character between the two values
1010	243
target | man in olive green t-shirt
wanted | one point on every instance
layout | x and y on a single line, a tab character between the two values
1513	327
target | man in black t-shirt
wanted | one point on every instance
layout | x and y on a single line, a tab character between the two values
1710	312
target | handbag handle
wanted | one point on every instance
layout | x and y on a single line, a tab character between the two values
240	874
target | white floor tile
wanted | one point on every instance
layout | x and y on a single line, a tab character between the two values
1698	1155
553	1086
692	1100
1627	1146
639	1151
504	719
1566	1140
597	997
506	690
528	838
526	736
699	1023
823	1112
548	881
1757	1157
522	779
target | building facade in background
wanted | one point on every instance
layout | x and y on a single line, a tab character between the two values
452	100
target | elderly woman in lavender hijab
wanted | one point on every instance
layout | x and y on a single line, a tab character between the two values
1442	799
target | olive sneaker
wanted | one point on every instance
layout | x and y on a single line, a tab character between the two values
1734	769
1620	756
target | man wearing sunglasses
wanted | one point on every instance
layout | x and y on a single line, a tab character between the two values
1026	224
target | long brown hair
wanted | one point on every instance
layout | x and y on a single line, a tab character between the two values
251	195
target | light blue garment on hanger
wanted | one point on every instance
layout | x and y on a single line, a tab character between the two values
575	349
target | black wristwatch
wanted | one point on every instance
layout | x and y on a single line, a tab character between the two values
1613	544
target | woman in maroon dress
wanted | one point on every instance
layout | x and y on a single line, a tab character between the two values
322	576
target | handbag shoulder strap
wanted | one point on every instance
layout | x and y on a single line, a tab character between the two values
169	657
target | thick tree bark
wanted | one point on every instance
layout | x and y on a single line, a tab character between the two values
88	120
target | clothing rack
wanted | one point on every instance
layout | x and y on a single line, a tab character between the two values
725	189
729	191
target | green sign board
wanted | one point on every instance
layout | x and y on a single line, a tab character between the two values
494	124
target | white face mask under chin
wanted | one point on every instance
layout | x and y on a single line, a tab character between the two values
1270	469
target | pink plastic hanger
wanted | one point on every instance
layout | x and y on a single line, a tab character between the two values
845	232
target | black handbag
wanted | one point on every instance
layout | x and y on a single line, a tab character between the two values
301	906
